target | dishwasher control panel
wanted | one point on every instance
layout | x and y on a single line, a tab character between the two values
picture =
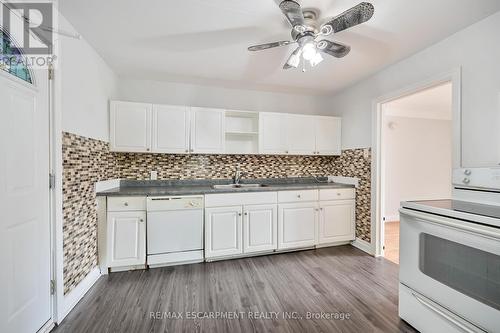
174	202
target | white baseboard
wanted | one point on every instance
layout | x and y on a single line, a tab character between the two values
71	299
363	246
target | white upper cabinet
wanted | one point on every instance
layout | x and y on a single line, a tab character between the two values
171	129
301	135
328	135
142	127
130	127
273	133
207	130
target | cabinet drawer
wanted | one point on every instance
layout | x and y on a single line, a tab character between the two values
239	199
117	204
298	196
337	194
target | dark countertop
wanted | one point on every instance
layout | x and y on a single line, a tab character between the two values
192	187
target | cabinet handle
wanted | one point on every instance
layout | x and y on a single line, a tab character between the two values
239	214
147	149
286	151
187	150
125	204
298	196
141	220
246	213
321	208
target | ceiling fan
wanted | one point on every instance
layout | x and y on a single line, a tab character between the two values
306	30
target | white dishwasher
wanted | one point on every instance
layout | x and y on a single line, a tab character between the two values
174	230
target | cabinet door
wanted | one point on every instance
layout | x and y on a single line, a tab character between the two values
223	232
170	129
297	225
337	221
272	133
207	131
260	224
301	135
130	127
328	135
126	238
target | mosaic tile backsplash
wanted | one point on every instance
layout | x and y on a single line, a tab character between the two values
86	161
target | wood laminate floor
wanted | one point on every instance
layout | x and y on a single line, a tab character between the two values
271	293
391	241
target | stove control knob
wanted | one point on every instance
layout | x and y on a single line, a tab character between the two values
466	180
467	172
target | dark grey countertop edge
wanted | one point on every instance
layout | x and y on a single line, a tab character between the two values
141	188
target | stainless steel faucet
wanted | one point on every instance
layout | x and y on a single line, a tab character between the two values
237	176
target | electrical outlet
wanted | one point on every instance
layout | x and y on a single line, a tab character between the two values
153	175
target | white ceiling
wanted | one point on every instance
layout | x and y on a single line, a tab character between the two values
205	41
432	103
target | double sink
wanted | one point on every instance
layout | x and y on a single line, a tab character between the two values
228	186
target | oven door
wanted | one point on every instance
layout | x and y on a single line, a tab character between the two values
453	263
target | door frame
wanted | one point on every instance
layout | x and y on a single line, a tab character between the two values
455	77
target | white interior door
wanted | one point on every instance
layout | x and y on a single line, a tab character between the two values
25	304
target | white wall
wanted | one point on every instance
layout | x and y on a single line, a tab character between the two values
211	96
87	84
416	155
477	51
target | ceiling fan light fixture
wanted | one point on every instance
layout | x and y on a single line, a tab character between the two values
309	51
316	59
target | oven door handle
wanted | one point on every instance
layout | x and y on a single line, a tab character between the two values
468	227
459	322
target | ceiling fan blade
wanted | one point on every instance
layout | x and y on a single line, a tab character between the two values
293	12
294	59
334	49
261	47
348	19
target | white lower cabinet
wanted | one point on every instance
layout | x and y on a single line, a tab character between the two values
259	228
126	238
223	231
297	224
336	221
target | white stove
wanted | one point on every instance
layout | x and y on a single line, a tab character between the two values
450	257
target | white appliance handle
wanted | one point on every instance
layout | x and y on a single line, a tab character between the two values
460	323
468	226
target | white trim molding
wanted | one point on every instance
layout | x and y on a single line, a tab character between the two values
72	299
363	246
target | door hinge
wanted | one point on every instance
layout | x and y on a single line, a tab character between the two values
52	287
51	72
52	181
